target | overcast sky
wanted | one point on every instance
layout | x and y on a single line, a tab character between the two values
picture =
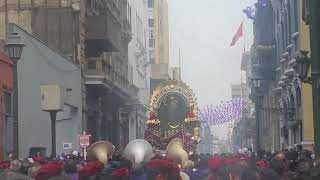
203	29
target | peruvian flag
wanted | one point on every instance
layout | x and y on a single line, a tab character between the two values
238	34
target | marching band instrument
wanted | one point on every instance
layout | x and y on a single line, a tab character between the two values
138	152
101	151
175	151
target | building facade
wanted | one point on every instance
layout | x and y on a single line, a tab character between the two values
243	129
206	143
239	91
306	91
97	39
110	95
41	65
6	87
139	66
284	102
158	41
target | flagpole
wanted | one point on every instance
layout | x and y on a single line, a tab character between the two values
180	64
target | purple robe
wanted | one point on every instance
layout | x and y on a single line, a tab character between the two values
143	177
73	176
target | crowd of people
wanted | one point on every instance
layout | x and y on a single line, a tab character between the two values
294	164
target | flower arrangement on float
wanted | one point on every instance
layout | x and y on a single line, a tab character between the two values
191	119
153	121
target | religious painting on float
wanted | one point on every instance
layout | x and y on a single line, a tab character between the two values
173	114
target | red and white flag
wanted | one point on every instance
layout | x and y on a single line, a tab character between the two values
238	34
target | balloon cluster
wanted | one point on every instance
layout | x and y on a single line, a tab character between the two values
223	113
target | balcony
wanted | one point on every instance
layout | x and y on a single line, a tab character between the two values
109	73
103	31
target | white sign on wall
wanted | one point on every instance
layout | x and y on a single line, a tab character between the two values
67	146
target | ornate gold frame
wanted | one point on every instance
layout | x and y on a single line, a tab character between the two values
177	87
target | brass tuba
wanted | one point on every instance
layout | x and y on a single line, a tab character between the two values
175	151
139	152
101	151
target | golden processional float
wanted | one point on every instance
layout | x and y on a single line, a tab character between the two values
173	114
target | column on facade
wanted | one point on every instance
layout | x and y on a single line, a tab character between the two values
99	118
290	137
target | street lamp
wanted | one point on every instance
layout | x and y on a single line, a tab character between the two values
14	49
302	67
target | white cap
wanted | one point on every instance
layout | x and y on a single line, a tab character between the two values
31	160
75	153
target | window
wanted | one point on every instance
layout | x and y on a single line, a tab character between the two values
151	43
151	56
92	64
8	102
151	34
93	7
130	74
150	22
150	3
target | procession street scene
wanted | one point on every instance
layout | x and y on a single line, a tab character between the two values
159	90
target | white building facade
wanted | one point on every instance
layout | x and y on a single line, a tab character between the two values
139	72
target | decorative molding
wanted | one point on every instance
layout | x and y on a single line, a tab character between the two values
277	90
290	46
295	35
293	62
285	54
284	78
281	83
283	60
289	72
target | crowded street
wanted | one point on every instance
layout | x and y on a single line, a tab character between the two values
159	90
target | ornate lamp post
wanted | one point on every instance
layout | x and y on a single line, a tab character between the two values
14	49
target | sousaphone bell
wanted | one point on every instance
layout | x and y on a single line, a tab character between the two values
139	152
175	151
100	151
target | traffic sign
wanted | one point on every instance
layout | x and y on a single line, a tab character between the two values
84	140
67	146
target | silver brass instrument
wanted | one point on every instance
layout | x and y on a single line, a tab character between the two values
139	152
